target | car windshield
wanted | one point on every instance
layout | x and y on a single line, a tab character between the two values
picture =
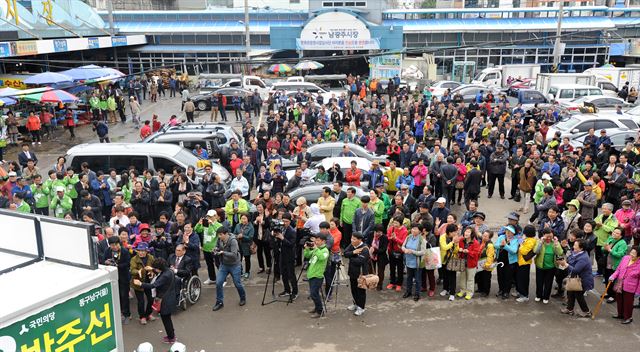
634	111
567	124
188	157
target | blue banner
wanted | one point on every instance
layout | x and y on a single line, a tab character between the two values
5	50
94	43
60	45
119	41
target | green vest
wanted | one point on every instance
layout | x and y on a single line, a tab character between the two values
41	195
317	261
210	235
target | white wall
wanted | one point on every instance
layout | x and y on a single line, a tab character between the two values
274	4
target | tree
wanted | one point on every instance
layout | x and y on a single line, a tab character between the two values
428	4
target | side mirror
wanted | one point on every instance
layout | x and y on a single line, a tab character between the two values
550	97
574	131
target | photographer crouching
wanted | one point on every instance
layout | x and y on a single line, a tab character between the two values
316	252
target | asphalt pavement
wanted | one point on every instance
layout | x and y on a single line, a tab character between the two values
389	323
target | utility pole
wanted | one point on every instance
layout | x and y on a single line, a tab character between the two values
557	48
247	37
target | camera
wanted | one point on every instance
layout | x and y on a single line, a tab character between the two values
309	244
205	222
277	225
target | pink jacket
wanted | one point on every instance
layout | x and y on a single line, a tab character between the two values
625	219
462	172
419	174
630	275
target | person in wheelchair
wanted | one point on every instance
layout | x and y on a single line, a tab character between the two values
181	266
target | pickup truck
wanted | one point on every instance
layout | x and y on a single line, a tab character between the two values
528	98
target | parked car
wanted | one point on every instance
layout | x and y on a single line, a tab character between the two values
312	192
575	126
120	156
601	103
469	91
203	101
333	149
568	92
437	89
618	139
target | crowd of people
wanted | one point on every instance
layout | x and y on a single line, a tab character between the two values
442	153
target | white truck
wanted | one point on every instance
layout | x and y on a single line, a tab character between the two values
56	296
618	76
210	82
497	76
544	81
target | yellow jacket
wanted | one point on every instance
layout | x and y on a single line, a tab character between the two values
390	178
445	247
326	207
491	256
527	245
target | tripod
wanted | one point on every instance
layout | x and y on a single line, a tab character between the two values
335	283
274	298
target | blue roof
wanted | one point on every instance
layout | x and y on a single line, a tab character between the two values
495	25
202	26
493	10
198	48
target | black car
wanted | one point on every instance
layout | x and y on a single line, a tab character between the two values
333	149
203	101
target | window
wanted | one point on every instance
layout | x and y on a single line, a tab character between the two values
491	76
584	127
294	1
256	82
619	139
531	97
565	93
95	163
581	93
595	92
630	124
361	3
604	124
164	163
608	86
122	162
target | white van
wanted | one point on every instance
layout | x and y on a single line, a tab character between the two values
302	86
567	92
250	83
120	156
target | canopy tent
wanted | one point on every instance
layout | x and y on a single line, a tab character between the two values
46	78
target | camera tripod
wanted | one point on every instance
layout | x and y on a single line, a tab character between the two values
274	298
336	282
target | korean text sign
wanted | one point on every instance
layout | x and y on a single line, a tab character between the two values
82	323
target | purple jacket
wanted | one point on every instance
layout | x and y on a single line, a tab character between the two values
630	275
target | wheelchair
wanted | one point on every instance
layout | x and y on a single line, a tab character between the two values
190	290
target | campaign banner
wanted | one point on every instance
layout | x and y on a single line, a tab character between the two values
93	43
82	323
119	41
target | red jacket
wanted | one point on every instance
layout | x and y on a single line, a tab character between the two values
474	252
395	245
33	123
145	131
235	164
353	178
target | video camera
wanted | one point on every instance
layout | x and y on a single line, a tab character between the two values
277	225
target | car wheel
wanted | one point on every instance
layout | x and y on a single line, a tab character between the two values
202	106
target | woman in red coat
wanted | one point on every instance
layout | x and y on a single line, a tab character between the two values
33	126
468	248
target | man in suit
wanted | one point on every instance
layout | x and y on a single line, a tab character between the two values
25	155
287	243
116	256
449	173
364	220
407	199
303	155
472	184
180	263
339	195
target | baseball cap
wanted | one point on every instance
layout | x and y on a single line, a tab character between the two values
510	228
211	213
12	174
480	215
513	216
546	176
441	200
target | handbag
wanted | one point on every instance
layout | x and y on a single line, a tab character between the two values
267	186
368	282
459	185
456	264
432	259
574	284
253	248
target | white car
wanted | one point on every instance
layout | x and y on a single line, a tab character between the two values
438	88
602	103
576	126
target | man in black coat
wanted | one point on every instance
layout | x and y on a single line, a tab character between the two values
116	256
304	155
472	184
407	199
496	169
287	244
517	162
364	220
339	195
89	202
358	255
449	173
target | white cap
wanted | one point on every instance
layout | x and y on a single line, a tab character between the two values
546	176
178	347
441	200
59	189
12	174
212	213
145	347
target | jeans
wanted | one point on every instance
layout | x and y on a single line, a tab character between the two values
413	274
315	284
544	282
522	280
224	271
492	183
573	296
144	310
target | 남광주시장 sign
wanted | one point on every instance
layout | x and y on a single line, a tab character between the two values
82	323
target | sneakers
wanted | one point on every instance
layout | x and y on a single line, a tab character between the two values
398	288
566	311
432	293
166	339
452	297
316	315
143	321
522	299
352	308
515	294
537	299
151	317
444	293
611	300
217	307
390	286
460	294
545	301
209	282
359	311
126	320
584	315
468	296
284	294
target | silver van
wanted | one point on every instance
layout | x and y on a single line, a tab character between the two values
120	156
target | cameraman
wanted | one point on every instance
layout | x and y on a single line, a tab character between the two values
115	256
207	228
287	258
229	251
316	252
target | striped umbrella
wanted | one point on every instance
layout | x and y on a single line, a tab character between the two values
50	96
7	101
308	65
280	68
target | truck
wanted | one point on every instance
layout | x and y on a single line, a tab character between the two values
57	297
618	76
210	82
529	98
545	80
497	76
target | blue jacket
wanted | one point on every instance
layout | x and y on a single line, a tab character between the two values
552	170
405	180
511	248
102	193
580	265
